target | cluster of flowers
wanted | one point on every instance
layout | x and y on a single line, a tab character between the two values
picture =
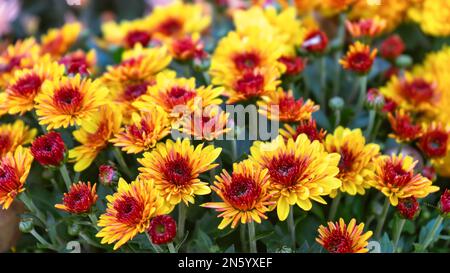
134	105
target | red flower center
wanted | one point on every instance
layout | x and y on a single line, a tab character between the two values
9	181
75	64
163	229
347	160
5	144
140	131
79	199
177	170
250	85
242	192
68	99
288	104
434	143
404	128
170	27
360	62
287	170
129	210
14	62
246	61
338	242
408	207
445	201
28	86
134	91
49	149
137	37
418	90
180	96
309	128
395	175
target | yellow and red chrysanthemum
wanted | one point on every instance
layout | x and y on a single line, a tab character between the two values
403	127
145	130
187	48
14	170
245	194
79	62
22	54
333	7
80	198
178	95
93	135
57	42
129	211
13	135
26	85
130	79
368	28
300	171
359	58
308	127
176	166
283	106
177	19
356	163
67	101
342	238
126	34
394	176
434	142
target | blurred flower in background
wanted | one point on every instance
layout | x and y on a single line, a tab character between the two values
9	10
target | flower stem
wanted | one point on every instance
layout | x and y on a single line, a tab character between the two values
337	120
94	220
242	231
122	163
337	56
155	247
334	206
25	198
398	232
291	226
431	234
65	174
382	219
323	77
370	126
182	210
362	93
171	248
41	239
252	237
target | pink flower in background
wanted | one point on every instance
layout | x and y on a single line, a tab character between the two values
9	10
155	3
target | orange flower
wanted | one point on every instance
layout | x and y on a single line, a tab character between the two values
434	141
13	135
404	130
359	58
58	41
80	198
366	27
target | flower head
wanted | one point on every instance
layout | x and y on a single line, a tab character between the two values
57	42
395	178
108	175
14	170
342	238
13	135
162	230
67	101
392	47
434	141
245	194
444	202
79	62
359	58
80	198
300	171
176	166
49	150
129	211
356	162
316	42
188	48
294	65
308	127
408	207
127	34
282	106
370	28
146	129
94	136
404	130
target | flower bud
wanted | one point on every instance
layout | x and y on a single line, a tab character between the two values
392	47
444	202
403	61
429	172
108	175
336	103
315	42
26	225
162	230
375	100
74	229
408	208
49	150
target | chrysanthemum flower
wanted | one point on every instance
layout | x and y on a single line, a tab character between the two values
417	94
170	93
177	19
67	101
145	130
342	238
369	28
14	170
126	34
188	48
131	78
22	54
80	198
282	106
332	7
129	211
209	123
359	58
404	129
308	127
94	136
408	208
27	84
444	202
108	175
300	171
395	178
176	166
57	42
162	230
13	135
356	163
432	16
316	42
434	141
49	150
245	194
294	65
79	62
392	47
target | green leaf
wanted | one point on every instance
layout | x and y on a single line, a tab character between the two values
386	244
